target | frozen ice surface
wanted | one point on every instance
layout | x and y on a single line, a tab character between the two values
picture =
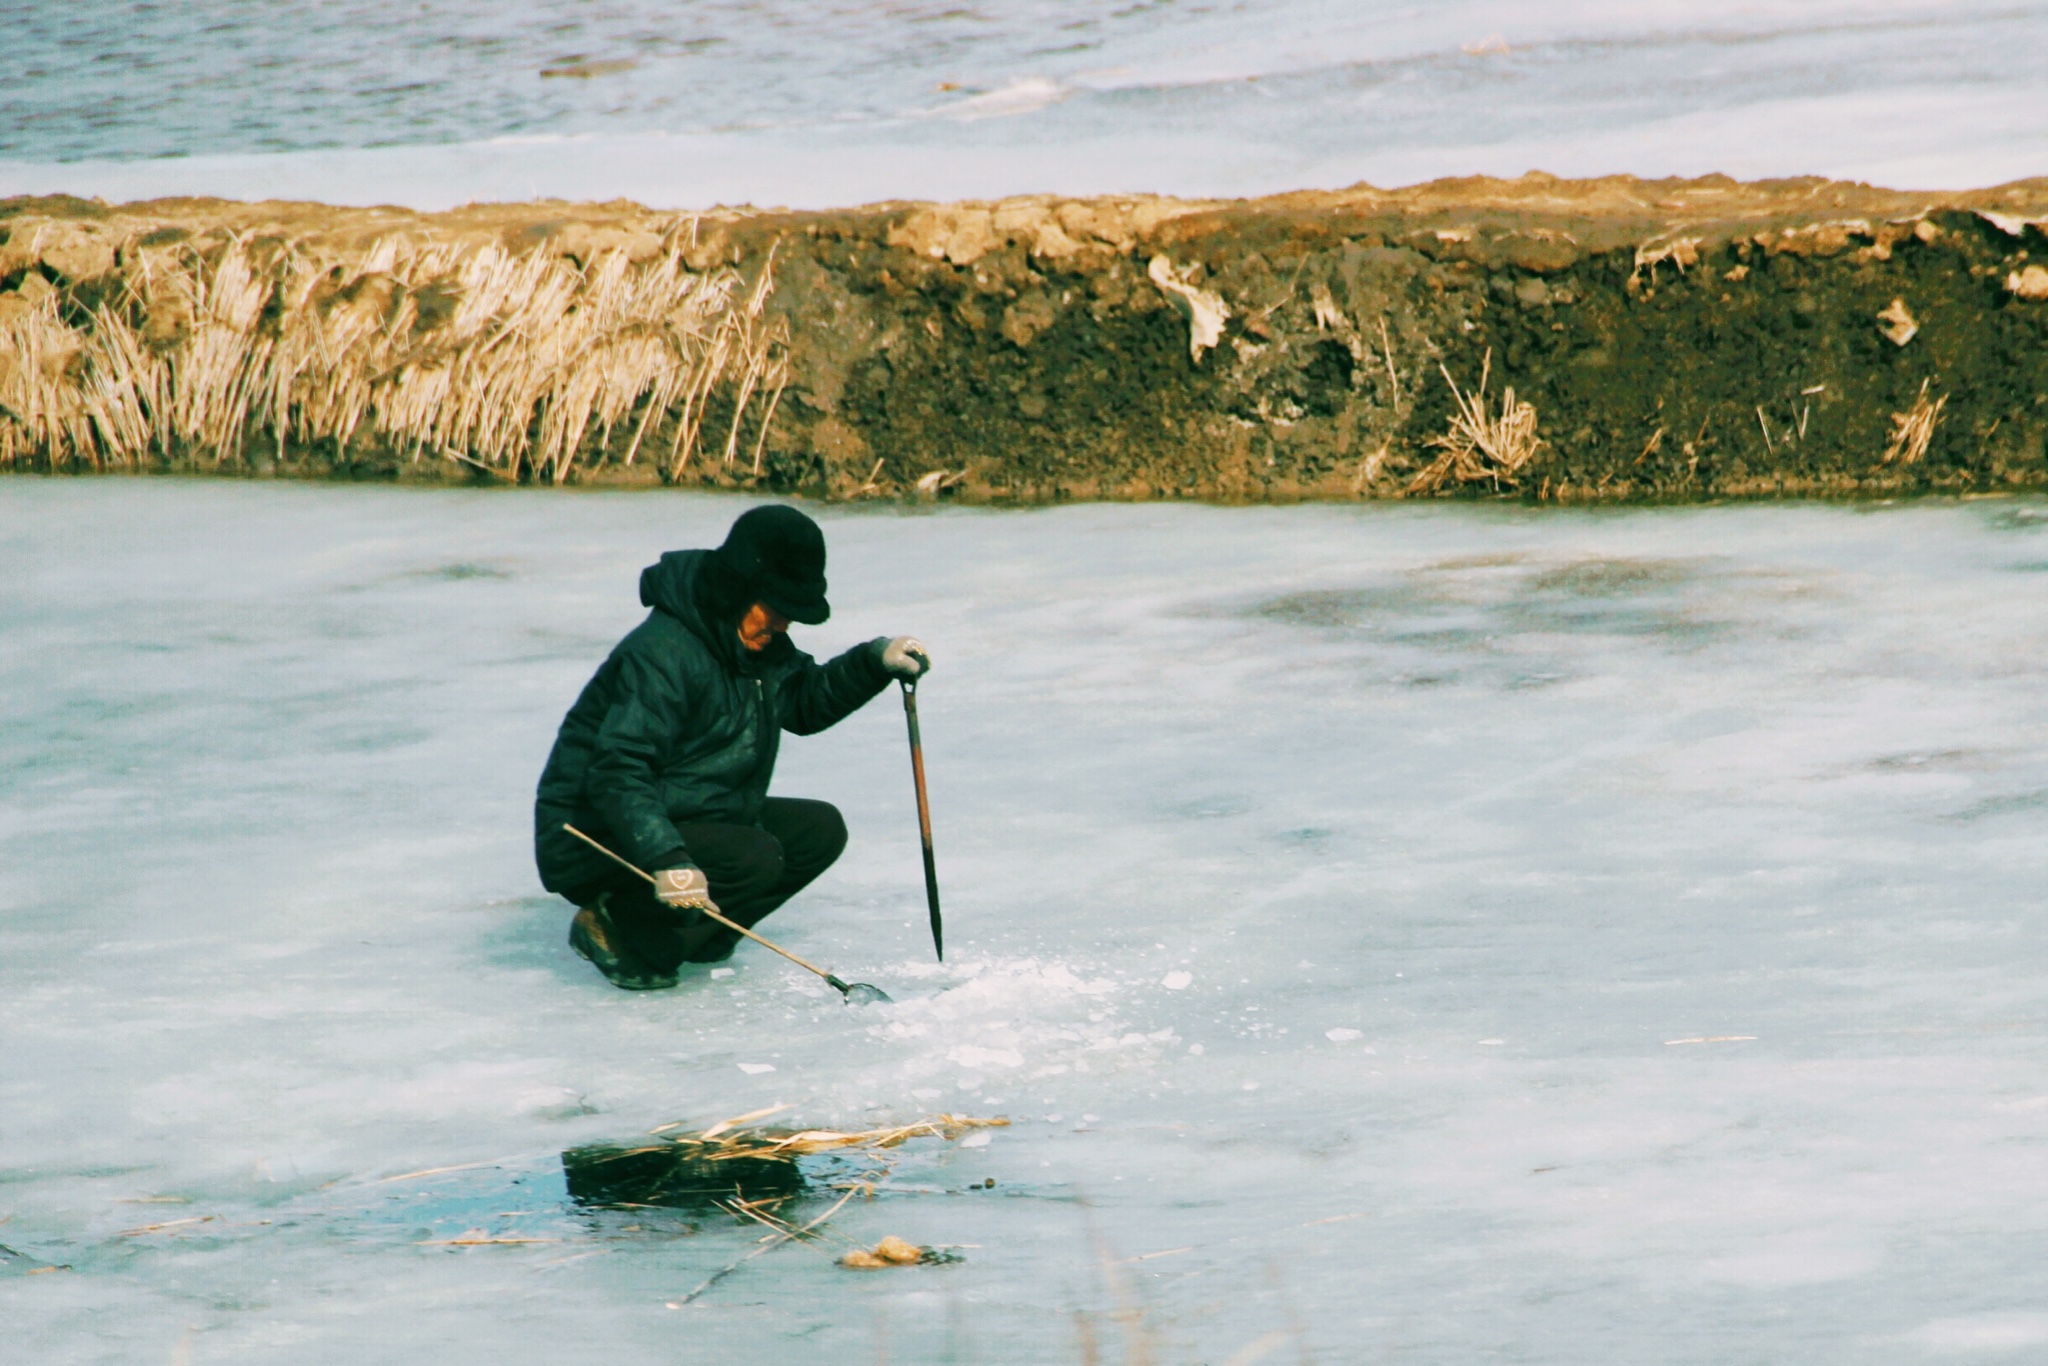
1607	937
685	105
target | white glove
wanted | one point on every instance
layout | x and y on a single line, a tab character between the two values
906	658
684	887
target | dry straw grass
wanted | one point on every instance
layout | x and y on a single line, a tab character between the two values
1913	430
731	1139
521	364
1481	443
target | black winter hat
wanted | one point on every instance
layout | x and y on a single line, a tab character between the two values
779	555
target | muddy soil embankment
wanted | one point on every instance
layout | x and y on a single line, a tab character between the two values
1536	338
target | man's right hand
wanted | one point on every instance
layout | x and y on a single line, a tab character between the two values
684	887
906	658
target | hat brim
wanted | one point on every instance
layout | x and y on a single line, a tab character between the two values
811	611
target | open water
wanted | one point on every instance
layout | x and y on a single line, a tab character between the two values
696	102
1428	934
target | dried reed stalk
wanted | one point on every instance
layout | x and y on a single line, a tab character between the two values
781	1232
1481	444
728	1140
519	364
1913	430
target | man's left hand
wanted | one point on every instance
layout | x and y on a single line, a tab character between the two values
684	888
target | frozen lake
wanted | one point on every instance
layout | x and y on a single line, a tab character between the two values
689	103
1406	933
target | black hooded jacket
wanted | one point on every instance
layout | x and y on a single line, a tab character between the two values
681	723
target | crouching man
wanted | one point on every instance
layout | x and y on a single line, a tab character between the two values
666	756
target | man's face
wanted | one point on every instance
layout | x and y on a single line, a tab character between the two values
760	626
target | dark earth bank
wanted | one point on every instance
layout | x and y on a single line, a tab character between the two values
1660	339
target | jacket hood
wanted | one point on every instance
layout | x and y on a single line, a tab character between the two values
692	587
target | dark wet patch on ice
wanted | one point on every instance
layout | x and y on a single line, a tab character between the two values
1505	560
1308	836
1479	621
463	570
1209	807
1431	610
546	1205
94	1173
1444	638
2031	567
1341	607
14	1263
1604	597
336	626
372	739
1928	761
2012	804
1614	578
1671	626
439	1210
2024	517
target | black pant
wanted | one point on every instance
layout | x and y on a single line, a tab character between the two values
752	869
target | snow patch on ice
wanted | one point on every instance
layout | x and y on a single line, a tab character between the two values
1006	1014
1022	95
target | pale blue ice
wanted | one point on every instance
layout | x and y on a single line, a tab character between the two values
1430	934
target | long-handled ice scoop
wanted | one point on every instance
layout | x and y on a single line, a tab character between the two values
856	993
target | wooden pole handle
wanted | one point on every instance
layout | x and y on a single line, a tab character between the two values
729	924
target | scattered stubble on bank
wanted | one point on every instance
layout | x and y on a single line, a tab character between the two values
1481	444
1913	430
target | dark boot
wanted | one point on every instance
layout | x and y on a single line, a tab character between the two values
596	940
